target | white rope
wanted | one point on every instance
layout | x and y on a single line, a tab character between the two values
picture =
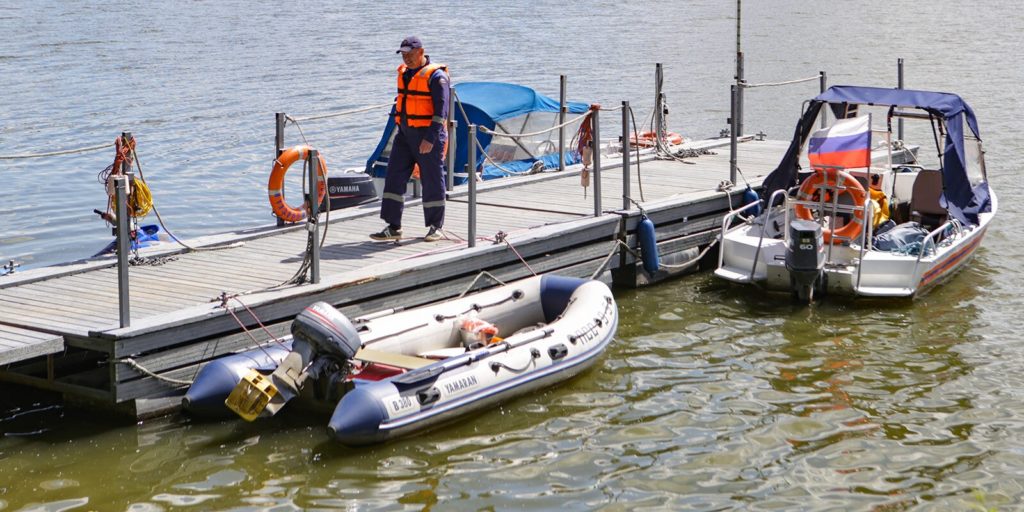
55	153
338	114
131	362
533	134
773	84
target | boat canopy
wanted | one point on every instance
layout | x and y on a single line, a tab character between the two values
502	108
963	200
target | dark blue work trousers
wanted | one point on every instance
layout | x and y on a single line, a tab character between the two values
405	152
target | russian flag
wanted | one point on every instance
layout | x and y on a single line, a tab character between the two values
846	144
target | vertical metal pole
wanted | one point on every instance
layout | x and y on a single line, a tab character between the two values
822	85
899	85
472	186
738	125
595	144
123	246
314	215
452	133
733	135
561	120
279	121
625	156
659	109
453	127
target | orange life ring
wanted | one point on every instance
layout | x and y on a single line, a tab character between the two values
647	139
830	178
275	187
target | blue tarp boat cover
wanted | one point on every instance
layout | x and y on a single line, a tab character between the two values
960	198
503	108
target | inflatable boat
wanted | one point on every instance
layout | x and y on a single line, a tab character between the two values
394	372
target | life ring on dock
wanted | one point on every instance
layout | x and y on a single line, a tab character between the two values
830	178
275	187
649	139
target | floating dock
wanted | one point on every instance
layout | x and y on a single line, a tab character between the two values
60	327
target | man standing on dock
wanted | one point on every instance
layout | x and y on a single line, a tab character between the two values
420	111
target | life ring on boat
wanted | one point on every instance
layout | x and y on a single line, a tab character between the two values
649	139
830	178
275	187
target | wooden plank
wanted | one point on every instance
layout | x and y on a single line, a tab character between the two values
25	344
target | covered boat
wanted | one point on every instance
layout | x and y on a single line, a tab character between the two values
502	108
397	372
853	225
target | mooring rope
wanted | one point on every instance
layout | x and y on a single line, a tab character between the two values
56	153
746	85
502	236
136	366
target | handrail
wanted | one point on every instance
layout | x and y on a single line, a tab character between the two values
760	240
745	85
338	114
725	222
866	234
928	239
492	133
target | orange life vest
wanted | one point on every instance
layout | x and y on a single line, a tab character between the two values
414	99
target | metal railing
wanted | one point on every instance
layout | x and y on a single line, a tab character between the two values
930	241
726	221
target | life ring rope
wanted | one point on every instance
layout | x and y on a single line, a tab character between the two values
275	185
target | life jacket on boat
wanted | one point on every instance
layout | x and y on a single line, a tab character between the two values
879	206
413	100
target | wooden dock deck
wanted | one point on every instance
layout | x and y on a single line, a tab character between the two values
59	326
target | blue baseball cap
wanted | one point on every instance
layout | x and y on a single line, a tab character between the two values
409	44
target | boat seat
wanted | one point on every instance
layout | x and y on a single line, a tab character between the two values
924	199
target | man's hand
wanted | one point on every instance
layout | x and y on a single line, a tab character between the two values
426	146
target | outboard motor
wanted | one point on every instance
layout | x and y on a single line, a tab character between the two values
324	340
349	189
805	258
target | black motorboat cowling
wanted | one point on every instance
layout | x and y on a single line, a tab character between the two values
805	255
349	189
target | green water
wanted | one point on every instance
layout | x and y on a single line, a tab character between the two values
711	397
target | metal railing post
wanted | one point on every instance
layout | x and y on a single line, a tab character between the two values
659	110
625	156
595	144
822	85
899	85
453	130
314	215
739	94
562	109
279	121
123	246
733	135
472	186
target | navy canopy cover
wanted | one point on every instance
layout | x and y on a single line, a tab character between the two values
963	201
488	104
